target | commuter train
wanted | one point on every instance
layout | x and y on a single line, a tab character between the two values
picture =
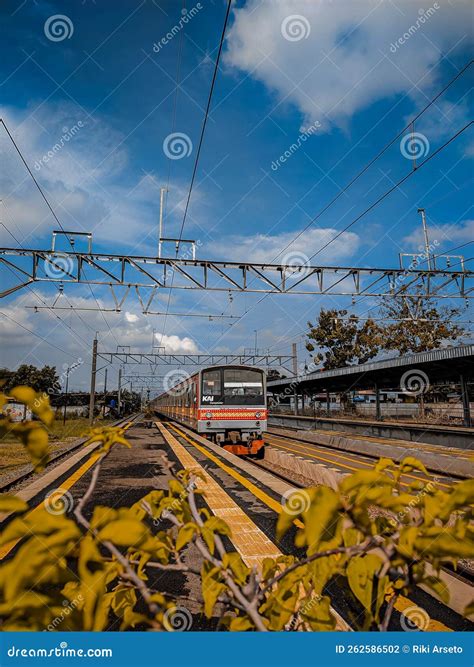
225	404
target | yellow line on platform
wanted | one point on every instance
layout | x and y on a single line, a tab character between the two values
249	540
401	604
261	495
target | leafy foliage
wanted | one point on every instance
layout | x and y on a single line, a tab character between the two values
343	342
40	379
413	325
374	535
421	326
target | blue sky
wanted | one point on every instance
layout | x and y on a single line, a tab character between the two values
355	72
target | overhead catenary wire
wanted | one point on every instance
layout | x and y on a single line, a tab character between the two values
48	204
302	333
377	156
34	333
175	103
368	209
198	152
360	173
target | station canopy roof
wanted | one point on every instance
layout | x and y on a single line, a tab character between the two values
446	364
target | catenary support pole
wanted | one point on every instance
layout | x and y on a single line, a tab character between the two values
466	408
93	378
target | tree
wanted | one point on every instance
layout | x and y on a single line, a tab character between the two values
343	341
419	325
40	379
274	374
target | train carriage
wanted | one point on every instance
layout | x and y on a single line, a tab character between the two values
226	404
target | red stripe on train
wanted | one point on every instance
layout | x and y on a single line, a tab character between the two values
232	414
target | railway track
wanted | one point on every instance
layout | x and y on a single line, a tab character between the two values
461	437
348	462
55	459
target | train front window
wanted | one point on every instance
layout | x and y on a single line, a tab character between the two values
232	386
211	383
243	386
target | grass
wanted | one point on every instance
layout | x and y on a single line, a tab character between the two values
13	454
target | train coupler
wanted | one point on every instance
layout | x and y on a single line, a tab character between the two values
255	448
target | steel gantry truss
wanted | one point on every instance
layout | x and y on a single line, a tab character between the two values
267	360
149	274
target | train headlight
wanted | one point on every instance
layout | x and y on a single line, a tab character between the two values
258	415
208	415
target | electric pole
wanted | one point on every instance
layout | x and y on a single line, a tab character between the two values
119	393
66	393
93	378
295	359
425	234
105	389
160	228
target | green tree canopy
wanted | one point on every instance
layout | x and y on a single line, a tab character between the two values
40	379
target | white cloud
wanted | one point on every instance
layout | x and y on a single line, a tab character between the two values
176	345
70	337
263	248
447	235
346	59
84	167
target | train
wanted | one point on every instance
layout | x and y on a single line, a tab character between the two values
225	404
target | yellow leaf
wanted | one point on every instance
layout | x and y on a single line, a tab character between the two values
10	503
241	624
185	535
462	494
212	587
124	533
238	567
317	612
364	583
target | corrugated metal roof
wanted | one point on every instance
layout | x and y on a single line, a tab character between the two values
420	358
